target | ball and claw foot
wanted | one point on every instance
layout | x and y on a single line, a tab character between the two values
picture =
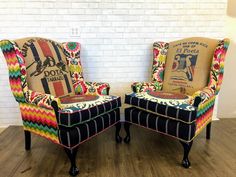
117	136
127	127
127	139
118	139
74	171
186	163
187	148
71	153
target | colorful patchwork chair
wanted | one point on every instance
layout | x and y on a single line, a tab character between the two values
178	102
55	102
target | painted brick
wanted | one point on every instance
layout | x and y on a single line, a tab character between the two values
116	36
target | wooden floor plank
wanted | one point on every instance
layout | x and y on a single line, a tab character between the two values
148	155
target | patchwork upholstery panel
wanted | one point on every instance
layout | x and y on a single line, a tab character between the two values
72	137
82	108
72	52
217	66
188	64
173	128
159	61
17	75
146	86
91	88
46	66
173	106
204	114
158	67
39	120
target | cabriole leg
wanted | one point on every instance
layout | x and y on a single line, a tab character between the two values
27	140
127	127
208	131
118	137
187	147
71	153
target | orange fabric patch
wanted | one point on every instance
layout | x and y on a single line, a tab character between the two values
58	87
45	48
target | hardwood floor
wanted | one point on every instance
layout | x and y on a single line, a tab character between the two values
148	155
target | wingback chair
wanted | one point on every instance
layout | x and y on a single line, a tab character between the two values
179	101
55	102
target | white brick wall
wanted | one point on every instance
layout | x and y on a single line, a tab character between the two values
116	35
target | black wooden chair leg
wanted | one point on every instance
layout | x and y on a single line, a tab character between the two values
27	140
118	137
187	147
71	153
208	131
127	127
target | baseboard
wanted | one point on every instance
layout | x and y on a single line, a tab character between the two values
215	118
3	126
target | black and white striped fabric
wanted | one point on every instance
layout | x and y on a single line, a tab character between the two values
174	128
85	115
171	112
73	136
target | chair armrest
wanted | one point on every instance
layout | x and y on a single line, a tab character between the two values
91	88
205	94
40	99
146	86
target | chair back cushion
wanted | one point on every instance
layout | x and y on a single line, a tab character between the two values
188	64
46	66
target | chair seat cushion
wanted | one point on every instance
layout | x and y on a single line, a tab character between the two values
172	105
78	109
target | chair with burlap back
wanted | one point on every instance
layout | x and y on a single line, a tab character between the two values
55	102
179	100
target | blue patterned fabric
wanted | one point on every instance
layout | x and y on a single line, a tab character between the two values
72	137
180	130
177	109
83	108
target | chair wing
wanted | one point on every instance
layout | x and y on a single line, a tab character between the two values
81	87
160	50
16	69
17	78
158	67
216	72
146	86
